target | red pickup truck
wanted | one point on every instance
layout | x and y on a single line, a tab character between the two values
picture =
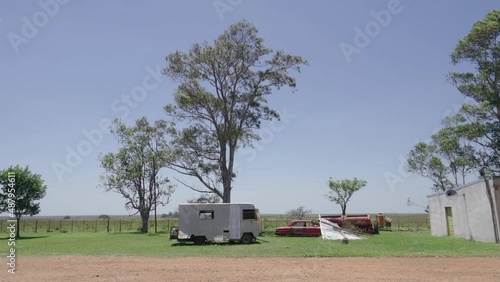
300	228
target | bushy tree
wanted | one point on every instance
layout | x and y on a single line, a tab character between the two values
134	171
423	159
206	198
479	121
341	191
20	193
299	212
446	161
469	139
222	100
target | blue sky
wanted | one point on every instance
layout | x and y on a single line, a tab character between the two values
68	66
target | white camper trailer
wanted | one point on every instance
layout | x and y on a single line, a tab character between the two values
224	222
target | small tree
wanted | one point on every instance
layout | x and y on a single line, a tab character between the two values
341	191
104	216
424	160
21	189
411	203
134	172
206	198
299	212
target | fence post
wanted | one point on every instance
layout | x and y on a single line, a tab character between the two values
49	226
399	226
95	229
83	225
36	225
60	225
108	225
71	226
120	225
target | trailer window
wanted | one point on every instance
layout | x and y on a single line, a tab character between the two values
249	214
206	215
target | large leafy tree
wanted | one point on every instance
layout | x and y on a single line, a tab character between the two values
446	161
134	171
341	191
469	139
459	155
479	121
221	101
423	159
21	191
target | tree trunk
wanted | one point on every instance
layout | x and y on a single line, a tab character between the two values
343	210
227	192
18	227
144	218
226	183
227	174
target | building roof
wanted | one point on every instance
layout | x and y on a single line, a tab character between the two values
459	187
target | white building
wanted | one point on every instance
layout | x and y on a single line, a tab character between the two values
467	212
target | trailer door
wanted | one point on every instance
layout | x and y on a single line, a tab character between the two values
234	222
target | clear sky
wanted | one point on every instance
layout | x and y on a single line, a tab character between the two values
376	84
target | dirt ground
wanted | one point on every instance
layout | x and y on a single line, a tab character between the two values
116	268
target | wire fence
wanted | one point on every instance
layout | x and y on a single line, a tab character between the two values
400	222
88	225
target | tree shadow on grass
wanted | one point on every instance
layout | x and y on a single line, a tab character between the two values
191	244
24	238
139	233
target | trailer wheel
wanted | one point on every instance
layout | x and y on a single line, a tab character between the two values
247	238
199	240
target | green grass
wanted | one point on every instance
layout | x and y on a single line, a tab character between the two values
386	244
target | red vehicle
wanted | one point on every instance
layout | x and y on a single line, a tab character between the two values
300	228
360	221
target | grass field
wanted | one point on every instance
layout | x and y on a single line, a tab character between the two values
386	244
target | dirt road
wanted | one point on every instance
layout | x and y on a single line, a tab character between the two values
116	268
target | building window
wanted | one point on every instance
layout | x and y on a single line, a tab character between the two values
203	215
249	214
